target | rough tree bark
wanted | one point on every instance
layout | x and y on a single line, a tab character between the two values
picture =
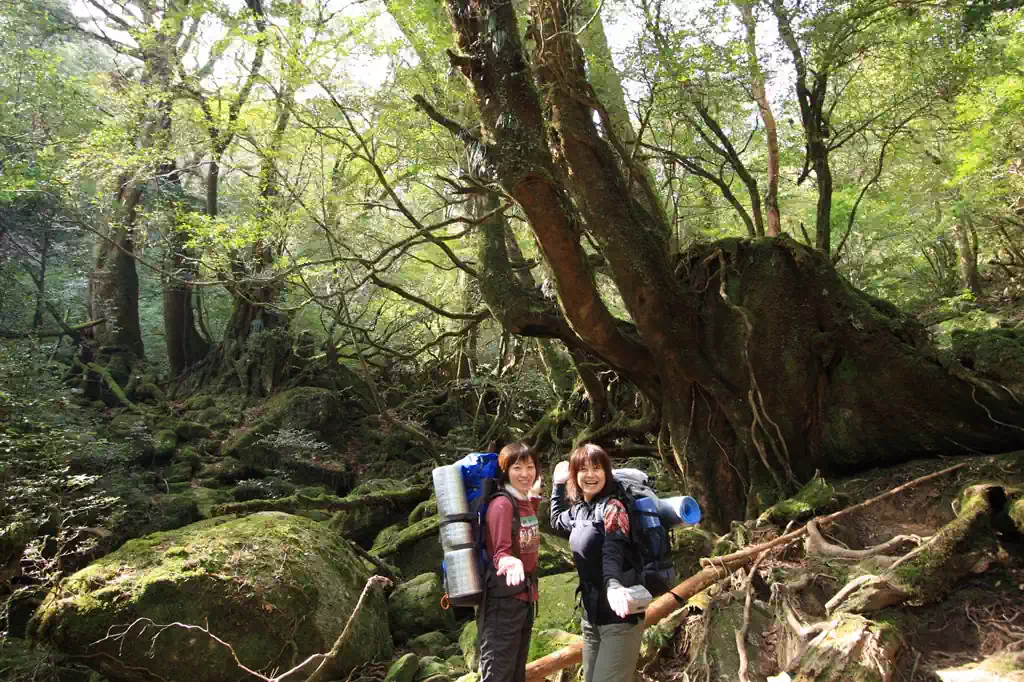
764	362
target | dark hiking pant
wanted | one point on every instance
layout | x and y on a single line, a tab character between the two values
610	651
504	639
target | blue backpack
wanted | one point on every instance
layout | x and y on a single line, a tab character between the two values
482	480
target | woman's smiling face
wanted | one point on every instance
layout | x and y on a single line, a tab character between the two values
591	479
522	475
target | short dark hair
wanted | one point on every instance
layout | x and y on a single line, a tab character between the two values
512	453
588	453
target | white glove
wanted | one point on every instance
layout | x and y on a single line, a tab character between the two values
561	474
535	490
618	599
512	569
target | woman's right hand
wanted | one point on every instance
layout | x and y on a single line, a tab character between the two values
561	473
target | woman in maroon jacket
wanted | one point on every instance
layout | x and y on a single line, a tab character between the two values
505	617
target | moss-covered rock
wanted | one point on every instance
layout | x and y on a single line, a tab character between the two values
814	498
431	666
429	643
273	585
199	402
214	417
415	608
165	443
363	524
127	425
456	664
689	545
404	669
423	510
544	642
192	431
558	602
412	549
555	555
467	644
998	353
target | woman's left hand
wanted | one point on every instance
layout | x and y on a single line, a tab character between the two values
512	569
618	599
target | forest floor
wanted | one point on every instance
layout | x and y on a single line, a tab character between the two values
974	631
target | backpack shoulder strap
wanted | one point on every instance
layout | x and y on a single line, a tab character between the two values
516	520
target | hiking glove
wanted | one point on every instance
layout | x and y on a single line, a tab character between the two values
561	474
618	599
512	569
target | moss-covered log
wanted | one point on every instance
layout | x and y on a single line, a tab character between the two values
292	503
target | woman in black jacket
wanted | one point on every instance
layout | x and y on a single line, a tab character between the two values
584	507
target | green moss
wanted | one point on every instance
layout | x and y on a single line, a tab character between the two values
555	555
423	510
814	498
166	442
467	644
404	669
544	642
261	581
558	603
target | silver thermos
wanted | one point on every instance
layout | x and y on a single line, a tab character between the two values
462	575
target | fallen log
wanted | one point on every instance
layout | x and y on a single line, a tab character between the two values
295	503
74	331
713	571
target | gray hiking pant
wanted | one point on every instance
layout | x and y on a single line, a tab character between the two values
504	639
610	652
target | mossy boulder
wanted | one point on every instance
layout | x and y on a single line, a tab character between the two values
404	669
423	510
199	402
998	353
558	603
429	643
412	549
689	545
127	425
363	524
467	643
431	666
415	608
275	586
544	642
165	443
214	417
555	555
192	431
814	498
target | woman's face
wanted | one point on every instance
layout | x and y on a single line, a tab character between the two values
522	474
590	479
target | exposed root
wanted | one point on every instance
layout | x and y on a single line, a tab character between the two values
741	634
816	544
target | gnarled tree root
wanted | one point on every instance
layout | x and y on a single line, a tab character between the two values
849	649
926	573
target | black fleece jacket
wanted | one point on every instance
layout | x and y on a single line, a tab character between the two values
600	547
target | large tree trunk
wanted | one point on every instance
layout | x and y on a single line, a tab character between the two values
114	282
967	255
765	363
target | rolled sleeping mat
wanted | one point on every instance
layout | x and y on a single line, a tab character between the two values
462	576
456	535
450	491
676	510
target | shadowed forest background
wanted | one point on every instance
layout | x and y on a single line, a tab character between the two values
285	257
